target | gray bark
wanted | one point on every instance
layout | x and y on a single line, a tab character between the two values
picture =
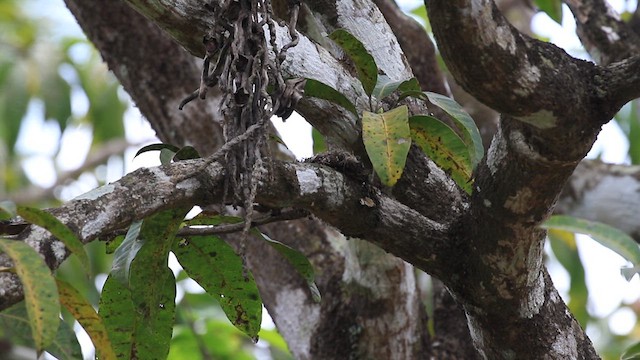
486	249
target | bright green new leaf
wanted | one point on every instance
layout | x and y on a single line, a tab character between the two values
118	314
15	327
299	262
631	353
315	88
606	235
553	8
214	265
365	64
40	291
59	230
387	139
470	133
444	147
82	311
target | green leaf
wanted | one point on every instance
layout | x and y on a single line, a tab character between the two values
125	254
118	313
40	291
444	147
319	145
59	230
15	327
631	353
166	156
365	64
157	147
634	132
315	88
56	95
565	249
14	100
553	8
387	139
214	265
153	286
606	235
470	133
299	262
82	311
385	86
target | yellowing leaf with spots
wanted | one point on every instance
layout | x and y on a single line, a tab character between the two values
387	139
40	291
86	315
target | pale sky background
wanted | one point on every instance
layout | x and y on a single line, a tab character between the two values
607	287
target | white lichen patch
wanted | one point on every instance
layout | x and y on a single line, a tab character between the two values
294	303
564	346
96	193
491	33
520	203
59	250
95	226
487	203
533	303
543	119
308	180
189	186
528	80
612	36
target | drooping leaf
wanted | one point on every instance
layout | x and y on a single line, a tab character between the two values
365	64
553	8
298	261
386	86
118	314
56	95
444	147
166	156
565	249
15	327
319	145
82	311
152	285
387	140
157	147
214	265
470	134
631	353
40	291
59	230
14	100
606	235
315	88
125	253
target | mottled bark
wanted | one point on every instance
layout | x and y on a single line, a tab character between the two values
486	249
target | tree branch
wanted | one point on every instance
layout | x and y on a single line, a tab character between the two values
328	194
607	38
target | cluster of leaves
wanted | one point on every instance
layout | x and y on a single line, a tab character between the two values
137	304
387	135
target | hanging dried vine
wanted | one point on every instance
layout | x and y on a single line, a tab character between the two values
245	64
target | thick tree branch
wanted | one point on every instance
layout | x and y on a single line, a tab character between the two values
327	193
607	38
